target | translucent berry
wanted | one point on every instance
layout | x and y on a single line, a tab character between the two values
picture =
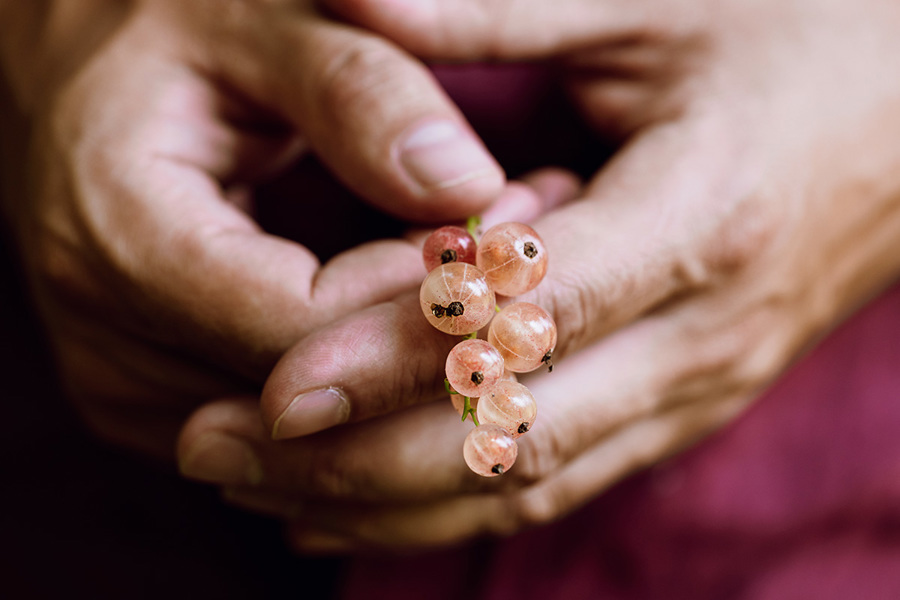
474	367
525	335
448	244
457	299
509	405
490	450
513	258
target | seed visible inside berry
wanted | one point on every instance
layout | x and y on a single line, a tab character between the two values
463	293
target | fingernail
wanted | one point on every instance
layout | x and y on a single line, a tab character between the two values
440	154
312	412
221	458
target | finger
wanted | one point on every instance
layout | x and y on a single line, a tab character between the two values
374	114
533	195
225	443
498	29
340	527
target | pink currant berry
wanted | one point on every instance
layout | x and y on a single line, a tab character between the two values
448	244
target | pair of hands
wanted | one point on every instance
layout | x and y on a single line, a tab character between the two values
754	202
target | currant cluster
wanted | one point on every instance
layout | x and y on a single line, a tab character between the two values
459	297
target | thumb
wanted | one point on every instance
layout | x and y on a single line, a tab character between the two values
374	114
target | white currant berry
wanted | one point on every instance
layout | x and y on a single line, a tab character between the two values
513	258
509	405
490	450
474	367
525	334
456	298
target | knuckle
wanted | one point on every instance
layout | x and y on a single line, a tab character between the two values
743	235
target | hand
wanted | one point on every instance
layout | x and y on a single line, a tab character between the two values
143	129
754	203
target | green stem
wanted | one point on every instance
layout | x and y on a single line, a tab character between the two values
472	224
468	410
449	389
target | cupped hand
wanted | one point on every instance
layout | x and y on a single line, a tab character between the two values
141	132
754	202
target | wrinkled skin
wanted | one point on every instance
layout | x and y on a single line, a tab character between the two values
753	204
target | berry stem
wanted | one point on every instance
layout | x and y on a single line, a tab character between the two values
450	390
472	224
468	410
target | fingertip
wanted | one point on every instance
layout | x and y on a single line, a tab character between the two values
447	169
554	185
537	193
518	203
215	444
